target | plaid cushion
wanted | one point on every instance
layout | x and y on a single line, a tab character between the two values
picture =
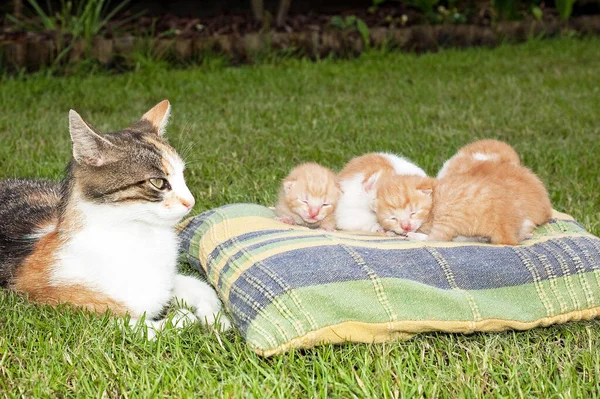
289	286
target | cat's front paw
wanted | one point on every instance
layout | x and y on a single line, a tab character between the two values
208	310
285	220
417	236
203	299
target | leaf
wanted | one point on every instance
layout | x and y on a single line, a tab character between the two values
337	21
363	29
537	13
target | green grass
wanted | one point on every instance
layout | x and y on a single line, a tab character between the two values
241	130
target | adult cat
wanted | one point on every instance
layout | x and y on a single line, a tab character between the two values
104	238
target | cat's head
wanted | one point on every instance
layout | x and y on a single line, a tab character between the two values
311	191
135	171
403	203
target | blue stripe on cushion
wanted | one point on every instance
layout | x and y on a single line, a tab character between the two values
491	267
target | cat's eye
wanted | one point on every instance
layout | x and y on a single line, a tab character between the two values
393	219
160	184
304	201
326	204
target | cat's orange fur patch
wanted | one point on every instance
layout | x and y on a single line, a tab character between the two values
368	165
33	278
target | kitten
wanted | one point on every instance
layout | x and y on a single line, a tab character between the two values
358	181
403	203
482	150
500	201
308	197
104	238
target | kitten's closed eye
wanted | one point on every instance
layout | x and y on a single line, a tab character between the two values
160	184
393	219
326	204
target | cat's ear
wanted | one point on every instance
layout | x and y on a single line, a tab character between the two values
369	184
288	184
158	117
87	144
339	188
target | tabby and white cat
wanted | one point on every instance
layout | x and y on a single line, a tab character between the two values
104	238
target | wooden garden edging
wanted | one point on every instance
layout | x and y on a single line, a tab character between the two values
35	53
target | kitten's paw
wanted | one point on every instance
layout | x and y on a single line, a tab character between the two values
285	220
417	236
327	228
390	233
376	228
526	236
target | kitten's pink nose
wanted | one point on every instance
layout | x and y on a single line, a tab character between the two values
405	224
313	212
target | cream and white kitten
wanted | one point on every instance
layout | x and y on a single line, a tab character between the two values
358	181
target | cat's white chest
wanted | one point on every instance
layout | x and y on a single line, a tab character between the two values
133	263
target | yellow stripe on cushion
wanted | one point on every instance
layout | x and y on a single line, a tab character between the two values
561	216
356	331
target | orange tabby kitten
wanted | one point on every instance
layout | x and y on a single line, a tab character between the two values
482	150
501	201
308	197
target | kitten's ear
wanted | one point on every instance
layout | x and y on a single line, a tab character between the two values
339	188
426	186
87	144
369	184
373	205
158	116
288	185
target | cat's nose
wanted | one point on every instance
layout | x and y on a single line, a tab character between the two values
405	224
188	202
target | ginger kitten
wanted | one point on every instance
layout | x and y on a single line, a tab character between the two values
104	238
358	181
308	197
500	201
481	150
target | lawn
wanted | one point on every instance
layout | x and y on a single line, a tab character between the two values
241	130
